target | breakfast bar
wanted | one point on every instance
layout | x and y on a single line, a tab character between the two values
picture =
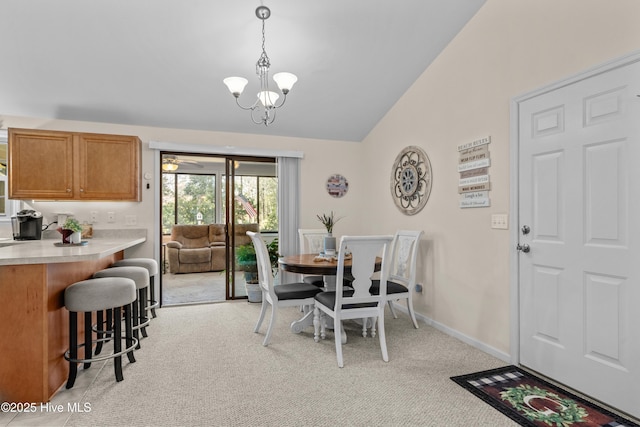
33	320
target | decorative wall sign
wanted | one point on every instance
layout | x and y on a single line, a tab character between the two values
337	185
411	180
473	164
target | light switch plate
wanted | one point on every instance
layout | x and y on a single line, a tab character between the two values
500	221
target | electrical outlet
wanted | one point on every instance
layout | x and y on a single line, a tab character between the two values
500	221
130	220
94	217
111	217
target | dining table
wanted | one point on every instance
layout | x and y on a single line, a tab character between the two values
320	265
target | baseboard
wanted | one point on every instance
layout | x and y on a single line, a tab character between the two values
458	335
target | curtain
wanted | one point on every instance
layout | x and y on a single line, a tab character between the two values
288	204
288	169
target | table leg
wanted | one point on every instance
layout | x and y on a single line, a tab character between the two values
298	326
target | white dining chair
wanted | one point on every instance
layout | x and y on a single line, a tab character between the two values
312	242
357	301
283	295
402	271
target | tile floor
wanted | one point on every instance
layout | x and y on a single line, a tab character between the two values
56	412
196	288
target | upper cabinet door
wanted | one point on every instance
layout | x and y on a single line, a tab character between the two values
52	165
109	167
40	164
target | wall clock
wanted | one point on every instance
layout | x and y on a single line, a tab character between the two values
337	185
411	180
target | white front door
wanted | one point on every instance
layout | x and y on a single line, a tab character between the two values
579	195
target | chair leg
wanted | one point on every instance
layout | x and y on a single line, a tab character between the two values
337	331
152	296
73	348
88	339
142	300
412	313
323	325
267	337
99	329
364	326
316	324
135	316
383	339
392	309
117	344
109	334
128	332
263	311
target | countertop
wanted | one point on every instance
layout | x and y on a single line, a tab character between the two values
103	243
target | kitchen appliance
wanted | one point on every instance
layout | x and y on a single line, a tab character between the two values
27	225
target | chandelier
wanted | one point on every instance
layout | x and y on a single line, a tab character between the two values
263	110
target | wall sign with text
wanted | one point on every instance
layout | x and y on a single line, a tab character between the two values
473	165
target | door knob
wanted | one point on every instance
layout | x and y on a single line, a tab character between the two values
525	229
524	248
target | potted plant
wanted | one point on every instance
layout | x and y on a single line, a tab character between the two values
71	231
329	241
246	261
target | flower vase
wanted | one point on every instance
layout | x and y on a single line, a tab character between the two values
329	245
66	236
76	237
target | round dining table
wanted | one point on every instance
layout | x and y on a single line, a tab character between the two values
315	265
312	264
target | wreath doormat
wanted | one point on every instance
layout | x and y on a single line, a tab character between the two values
532	401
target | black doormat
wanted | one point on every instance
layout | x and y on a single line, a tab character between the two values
532	401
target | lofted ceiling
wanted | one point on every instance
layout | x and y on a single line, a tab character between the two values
161	62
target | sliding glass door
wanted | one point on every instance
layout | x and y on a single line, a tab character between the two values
250	199
229	195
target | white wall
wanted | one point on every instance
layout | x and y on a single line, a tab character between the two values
508	48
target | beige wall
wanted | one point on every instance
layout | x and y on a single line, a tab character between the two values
321	159
508	48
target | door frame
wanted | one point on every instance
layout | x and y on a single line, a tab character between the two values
514	181
157	147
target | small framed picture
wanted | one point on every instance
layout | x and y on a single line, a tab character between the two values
337	185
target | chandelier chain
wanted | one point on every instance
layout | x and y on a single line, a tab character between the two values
263	63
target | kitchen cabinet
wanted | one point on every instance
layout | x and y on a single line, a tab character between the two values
55	165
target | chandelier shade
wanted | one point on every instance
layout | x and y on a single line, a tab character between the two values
236	85
285	81
268	98
263	110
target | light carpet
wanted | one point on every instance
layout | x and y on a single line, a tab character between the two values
203	366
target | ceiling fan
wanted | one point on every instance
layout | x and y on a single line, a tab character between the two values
170	163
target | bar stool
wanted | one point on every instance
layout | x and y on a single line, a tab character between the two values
152	266
140	276
92	295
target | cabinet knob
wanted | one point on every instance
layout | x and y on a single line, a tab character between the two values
68	190
82	190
